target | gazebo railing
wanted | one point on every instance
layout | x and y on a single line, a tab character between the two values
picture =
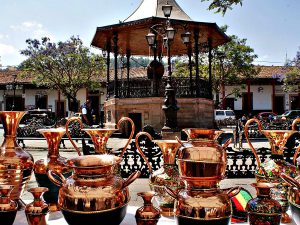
144	87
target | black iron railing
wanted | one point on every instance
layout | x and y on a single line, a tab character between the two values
144	87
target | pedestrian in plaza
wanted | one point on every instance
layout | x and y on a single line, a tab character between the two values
87	113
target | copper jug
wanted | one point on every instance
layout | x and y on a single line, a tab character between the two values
167	175
201	158
8	207
100	136
53	162
195	205
270	170
16	164
94	191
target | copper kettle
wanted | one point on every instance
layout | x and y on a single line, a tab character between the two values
94	186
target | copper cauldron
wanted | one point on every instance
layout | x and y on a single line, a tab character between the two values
207	206
94	190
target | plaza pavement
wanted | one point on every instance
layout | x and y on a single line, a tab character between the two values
39	150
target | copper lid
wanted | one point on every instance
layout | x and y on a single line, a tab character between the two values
94	161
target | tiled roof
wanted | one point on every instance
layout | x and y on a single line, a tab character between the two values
6	76
271	71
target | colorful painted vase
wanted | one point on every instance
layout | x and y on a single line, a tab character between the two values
53	162
147	214
16	164
8	207
264	210
37	210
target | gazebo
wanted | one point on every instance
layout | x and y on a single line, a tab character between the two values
156	101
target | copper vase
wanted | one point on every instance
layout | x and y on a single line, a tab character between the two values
147	214
53	162
100	136
263	209
8	207
166	176
270	170
37	210
16	164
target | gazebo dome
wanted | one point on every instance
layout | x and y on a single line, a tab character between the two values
152	8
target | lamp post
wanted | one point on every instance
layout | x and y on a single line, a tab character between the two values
14	88
101	116
170	104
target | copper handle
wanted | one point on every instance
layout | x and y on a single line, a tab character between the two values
171	192
179	141
140	150
131	178
69	135
290	180
54	180
248	139
294	127
124	119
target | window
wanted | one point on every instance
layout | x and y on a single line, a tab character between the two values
220	113
229	113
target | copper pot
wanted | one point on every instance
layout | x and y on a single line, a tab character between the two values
210	206
202	157
93	186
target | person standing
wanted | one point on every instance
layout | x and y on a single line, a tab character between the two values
87	113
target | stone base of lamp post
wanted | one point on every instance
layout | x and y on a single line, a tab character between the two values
170	108
167	135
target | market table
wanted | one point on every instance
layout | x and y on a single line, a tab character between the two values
57	219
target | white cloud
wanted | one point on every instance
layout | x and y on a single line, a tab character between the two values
3	36
7	49
36	30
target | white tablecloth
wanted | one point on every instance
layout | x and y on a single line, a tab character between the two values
57	219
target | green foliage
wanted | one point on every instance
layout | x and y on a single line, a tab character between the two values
66	66
291	82
221	6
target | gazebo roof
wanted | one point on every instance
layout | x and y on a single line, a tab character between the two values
131	32
153	8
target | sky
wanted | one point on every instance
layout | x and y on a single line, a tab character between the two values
271	27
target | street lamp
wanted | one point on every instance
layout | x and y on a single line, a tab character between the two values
167	33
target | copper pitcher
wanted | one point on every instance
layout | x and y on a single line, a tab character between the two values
93	186
270	170
167	175
100	136
201	158
207	206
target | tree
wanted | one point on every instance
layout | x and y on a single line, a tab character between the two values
66	66
221	6
232	63
291	81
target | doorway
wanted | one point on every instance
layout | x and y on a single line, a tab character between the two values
60	109
18	102
247	103
95	107
279	105
137	119
294	102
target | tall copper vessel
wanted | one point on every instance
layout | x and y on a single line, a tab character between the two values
166	176
100	136
270	170
16	164
202	164
53	162
8	207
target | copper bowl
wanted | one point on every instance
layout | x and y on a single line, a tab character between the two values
113	216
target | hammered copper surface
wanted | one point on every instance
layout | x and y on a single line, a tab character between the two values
93	186
16	164
37	210
202	133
